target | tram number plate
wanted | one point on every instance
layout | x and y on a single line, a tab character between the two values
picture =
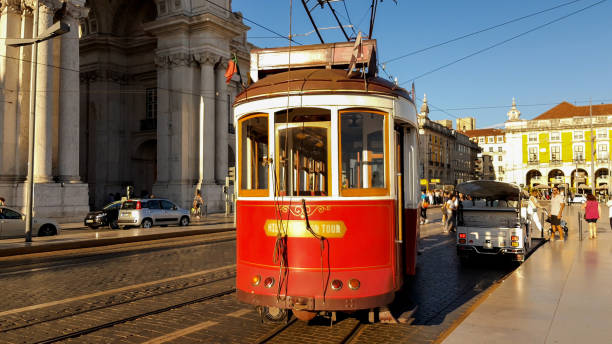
488	244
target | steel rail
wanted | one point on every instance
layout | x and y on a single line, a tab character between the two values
135	317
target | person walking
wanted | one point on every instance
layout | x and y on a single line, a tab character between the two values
451	207
424	206
591	214
609	204
532	210
2	202
198	203
557	203
444	212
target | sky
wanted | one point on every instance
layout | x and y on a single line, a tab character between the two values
568	60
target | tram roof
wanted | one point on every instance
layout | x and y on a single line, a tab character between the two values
312	81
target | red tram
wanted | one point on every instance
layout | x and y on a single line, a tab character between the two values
327	182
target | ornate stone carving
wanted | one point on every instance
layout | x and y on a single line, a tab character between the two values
222	65
11	6
75	11
162	61
180	59
206	57
48	6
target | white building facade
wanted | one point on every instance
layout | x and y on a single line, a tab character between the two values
134	95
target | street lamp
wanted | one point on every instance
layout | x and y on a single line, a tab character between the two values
54	30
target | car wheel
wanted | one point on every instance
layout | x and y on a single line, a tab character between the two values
114	224
147	223
47	230
184	221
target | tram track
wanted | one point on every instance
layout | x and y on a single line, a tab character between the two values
93	329
145	296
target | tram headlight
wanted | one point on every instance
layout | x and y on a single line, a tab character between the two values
336	284
269	282
354	284
256	280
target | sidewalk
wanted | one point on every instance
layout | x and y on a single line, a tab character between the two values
91	238
561	294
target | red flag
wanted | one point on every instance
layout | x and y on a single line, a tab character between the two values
232	67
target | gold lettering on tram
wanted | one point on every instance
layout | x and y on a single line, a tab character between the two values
297	228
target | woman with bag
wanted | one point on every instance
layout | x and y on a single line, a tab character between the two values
424	206
591	214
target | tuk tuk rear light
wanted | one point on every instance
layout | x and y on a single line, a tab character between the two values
471	241
514	244
514	238
462	236
138	205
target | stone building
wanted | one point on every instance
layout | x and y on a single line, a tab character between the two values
446	154
134	95
555	147
466	123
492	159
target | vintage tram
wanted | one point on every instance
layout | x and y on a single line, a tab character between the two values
326	181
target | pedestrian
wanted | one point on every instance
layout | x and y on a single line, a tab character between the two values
2	202
557	203
444	212
609	204
198	204
424	206
532	210
591	214
450	211
430	197
460	209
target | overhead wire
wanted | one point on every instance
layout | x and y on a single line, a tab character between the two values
503	42
479	31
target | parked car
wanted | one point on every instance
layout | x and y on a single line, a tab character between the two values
498	227
105	217
578	198
12	224
149	212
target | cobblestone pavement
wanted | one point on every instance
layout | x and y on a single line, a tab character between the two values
129	288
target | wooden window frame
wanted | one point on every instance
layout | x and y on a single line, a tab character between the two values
363	192
319	124
254	192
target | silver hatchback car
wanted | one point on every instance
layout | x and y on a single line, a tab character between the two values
149	212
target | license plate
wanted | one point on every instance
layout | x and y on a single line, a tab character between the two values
89	221
124	214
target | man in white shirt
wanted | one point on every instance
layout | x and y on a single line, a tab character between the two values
557	203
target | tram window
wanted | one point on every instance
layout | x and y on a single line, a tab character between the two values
362	142
254	156
302	152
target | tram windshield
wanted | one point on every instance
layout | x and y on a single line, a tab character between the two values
362	151
302	152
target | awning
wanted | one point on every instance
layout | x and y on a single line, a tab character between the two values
541	186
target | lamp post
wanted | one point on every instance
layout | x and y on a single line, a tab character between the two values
54	30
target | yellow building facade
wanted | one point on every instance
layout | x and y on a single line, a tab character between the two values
567	145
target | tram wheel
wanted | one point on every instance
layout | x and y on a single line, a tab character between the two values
274	314
304	315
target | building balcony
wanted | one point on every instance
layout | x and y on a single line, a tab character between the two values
578	161
533	162
602	160
556	162
148	124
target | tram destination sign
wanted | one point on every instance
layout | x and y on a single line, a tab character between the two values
297	228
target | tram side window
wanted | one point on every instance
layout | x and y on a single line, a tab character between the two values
254	156
302	148
362	142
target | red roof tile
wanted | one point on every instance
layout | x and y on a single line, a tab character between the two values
483	132
567	110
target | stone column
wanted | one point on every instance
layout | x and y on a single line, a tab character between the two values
69	95
45	97
163	113
221	124
23	106
10	23
207	117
